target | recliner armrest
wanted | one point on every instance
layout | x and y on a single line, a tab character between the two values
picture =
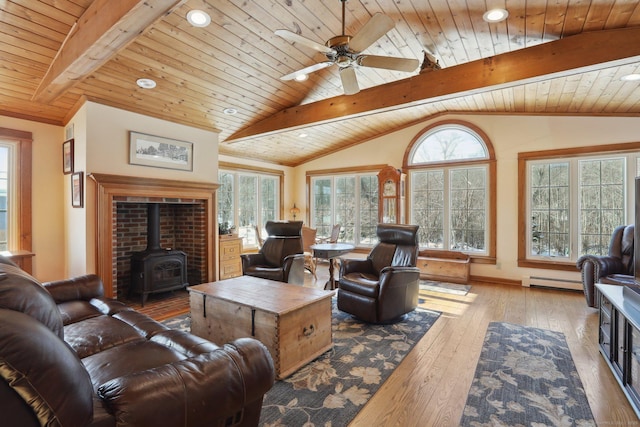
352	265
83	287
252	259
602	265
206	388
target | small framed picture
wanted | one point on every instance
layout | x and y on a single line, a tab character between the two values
67	156
77	189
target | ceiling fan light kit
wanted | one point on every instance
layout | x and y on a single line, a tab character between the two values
345	52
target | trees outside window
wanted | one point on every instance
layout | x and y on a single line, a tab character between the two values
350	200
574	204
247	200
450	188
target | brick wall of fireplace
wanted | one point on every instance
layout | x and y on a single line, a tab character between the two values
182	227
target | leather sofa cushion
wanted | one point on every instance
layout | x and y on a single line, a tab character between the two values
98	334
60	396
128	359
21	292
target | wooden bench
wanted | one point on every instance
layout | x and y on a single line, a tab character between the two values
444	266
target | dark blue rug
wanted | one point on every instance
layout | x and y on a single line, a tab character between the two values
526	377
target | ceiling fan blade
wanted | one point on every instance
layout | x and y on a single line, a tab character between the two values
388	62
307	70
375	28
349	80
295	38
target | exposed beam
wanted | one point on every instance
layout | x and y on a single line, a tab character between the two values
103	29
576	54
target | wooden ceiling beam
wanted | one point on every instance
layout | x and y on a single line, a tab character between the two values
102	31
571	55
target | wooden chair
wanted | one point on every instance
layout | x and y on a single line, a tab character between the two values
259	238
308	239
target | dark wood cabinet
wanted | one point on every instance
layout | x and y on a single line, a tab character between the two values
619	338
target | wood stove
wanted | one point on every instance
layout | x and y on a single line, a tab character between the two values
156	269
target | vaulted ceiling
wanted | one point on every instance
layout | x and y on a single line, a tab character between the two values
563	57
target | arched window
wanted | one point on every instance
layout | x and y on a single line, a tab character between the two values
451	173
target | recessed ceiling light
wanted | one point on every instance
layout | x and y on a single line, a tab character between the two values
302	135
198	18
302	77
495	15
146	83
630	77
230	111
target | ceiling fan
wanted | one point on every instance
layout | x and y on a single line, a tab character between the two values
345	52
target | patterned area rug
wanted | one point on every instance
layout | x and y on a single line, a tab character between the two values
526	377
447	288
331	390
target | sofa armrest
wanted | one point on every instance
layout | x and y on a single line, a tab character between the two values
201	390
78	288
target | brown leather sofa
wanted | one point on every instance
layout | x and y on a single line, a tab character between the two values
281	257
70	357
616	268
384	286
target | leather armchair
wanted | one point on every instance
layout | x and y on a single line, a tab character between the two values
616	268
384	286
281	257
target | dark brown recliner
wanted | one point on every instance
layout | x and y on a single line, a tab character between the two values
281	257
616	268
384	286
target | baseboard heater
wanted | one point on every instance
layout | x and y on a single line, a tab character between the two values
551	282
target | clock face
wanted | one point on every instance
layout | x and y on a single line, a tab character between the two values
389	188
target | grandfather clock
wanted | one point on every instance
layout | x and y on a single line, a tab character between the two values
391	183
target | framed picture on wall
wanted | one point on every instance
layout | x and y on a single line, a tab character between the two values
67	156
160	152
77	189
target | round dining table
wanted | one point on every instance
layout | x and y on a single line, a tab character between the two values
331	251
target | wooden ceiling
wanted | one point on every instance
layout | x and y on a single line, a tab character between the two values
561	57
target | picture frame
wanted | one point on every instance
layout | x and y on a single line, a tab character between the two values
67	157
160	152
77	189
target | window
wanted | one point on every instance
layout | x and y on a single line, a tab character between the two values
350	200
5	193
451	189
248	199
15	191
573	203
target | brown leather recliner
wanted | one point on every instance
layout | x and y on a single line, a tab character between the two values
70	357
616	268
384	286
281	257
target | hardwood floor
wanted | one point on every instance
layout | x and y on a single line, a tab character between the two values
430	386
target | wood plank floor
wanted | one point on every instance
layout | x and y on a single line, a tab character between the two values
430	386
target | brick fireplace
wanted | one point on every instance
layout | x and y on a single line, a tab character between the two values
187	212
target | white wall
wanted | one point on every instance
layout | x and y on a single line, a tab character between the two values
47	196
509	136
102	146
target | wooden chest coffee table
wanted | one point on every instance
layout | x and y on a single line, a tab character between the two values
292	321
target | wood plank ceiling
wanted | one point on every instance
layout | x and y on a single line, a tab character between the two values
563	57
